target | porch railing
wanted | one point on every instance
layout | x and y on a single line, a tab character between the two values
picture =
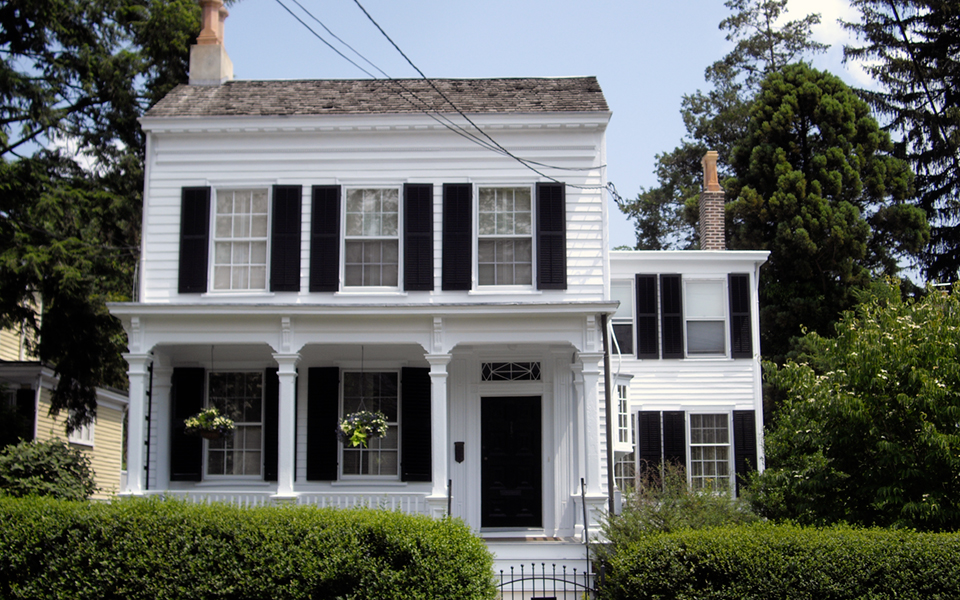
406	503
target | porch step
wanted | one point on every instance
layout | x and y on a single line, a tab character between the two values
562	552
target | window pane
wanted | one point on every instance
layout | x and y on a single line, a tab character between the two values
704	299
239	396
240	239
372	391
705	337
622	291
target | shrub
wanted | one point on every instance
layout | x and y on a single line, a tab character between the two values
158	549
50	468
763	561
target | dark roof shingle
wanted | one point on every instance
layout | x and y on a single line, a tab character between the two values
380	96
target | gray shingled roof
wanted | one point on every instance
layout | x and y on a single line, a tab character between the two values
378	96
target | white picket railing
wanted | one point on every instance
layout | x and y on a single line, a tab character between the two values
405	503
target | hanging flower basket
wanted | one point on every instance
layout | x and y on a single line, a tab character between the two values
208	424
357	429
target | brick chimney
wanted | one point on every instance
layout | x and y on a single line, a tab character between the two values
209	63
711	206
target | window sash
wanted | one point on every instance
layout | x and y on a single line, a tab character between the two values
372	237
705	317
240	236
505	236
710	451
239	396
372	391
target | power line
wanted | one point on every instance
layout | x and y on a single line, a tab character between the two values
490	143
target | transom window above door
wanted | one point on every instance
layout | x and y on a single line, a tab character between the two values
372	243
505	244
240	239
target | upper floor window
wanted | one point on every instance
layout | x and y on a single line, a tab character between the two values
372	241
623	318
705	316
679	317
240	240
505	243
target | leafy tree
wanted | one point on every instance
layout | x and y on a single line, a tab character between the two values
910	49
50	468
75	75
815	184
666	215
870	431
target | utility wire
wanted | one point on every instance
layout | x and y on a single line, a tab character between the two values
492	144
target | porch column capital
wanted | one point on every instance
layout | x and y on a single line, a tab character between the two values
287	362
590	361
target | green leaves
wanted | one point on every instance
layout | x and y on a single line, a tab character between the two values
870	430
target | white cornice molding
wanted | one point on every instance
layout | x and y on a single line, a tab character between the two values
377	123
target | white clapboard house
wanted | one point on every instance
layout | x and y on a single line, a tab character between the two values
315	248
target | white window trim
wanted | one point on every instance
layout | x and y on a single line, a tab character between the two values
206	443
731	459
477	286
724	302
83	435
371	367
371	289
212	244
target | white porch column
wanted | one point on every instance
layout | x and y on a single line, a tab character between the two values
440	451
286	465
591	420
138	372
160	423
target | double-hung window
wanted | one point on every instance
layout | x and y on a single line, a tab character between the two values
377	391
710	467
372	241
692	317
623	318
240	239
505	243
238	396
705	315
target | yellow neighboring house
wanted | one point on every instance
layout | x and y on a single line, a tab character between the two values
27	388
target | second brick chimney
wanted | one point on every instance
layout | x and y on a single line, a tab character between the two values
712	235
209	63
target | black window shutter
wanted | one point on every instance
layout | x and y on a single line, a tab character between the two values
551	237
418	237
744	444
650	451
26	415
647	338
457	245
671	300
186	451
271	424
741	333
675	437
323	410
285	238
415	452
325	239
194	240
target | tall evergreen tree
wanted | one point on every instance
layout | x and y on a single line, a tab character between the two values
816	185
912	49
666	215
75	75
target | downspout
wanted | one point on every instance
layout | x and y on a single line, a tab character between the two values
146	466
608	404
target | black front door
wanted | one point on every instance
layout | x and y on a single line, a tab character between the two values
511	471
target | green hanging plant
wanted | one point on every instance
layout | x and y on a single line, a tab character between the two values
208	423
357	429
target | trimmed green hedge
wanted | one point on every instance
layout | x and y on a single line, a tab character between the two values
168	549
785	562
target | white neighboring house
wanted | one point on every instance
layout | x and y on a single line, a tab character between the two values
311	248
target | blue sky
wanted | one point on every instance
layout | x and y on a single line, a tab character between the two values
645	54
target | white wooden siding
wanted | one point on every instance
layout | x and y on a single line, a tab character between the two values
371	156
